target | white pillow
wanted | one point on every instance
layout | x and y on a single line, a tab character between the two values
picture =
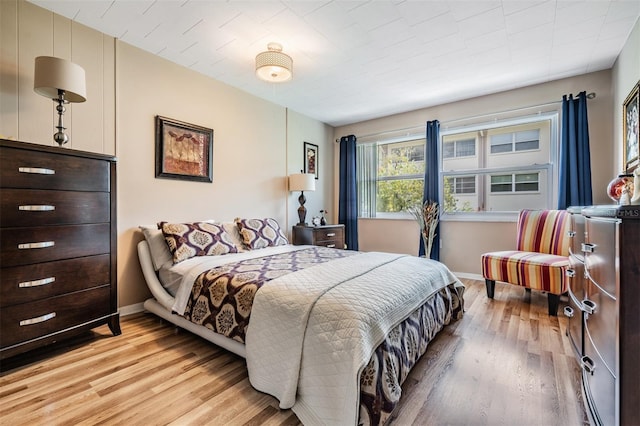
158	247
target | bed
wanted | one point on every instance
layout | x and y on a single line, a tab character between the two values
332	334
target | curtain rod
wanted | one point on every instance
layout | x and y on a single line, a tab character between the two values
590	95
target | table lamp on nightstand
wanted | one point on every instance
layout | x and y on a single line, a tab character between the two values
302	182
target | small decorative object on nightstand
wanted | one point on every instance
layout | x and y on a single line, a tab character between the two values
323	221
326	236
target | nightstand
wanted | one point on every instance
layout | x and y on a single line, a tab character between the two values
327	235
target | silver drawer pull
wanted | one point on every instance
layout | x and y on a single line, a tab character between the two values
330	245
37	320
568	311
331	234
570	273
588	248
37	208
37	283
587	364
571	234
36	170
43	244
589	306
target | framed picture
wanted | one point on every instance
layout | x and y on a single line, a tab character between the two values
311	158
183	151
631	129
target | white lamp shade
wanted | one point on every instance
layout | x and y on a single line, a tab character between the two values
273	65
53	74
302	182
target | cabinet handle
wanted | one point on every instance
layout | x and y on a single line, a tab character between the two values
36	170
331	234
588	247
571	234
39	319
330	245
37	283
43	244
37	208
587	364
568	311
570	273
590	306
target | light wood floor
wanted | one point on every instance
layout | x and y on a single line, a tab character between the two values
505	363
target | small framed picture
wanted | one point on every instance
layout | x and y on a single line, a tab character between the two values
631	129
183	151
311	159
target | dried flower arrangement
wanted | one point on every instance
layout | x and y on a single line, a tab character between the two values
427	215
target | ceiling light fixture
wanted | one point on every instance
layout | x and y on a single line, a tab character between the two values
273	65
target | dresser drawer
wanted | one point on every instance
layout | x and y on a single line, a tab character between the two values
22	168
20	323
48	243
601	326
329	235
34	207
21	284
601	253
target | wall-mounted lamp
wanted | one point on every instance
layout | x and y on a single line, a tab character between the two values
302	182
64	82
273	65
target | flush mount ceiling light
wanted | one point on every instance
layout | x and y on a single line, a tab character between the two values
273	65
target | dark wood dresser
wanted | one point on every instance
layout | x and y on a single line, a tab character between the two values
608	268
324	235
58	245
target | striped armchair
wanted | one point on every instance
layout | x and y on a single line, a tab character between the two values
540	259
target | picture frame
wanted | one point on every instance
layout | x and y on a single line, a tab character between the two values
311	159
631	129
183	151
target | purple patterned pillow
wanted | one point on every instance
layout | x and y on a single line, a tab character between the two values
186	240
261	233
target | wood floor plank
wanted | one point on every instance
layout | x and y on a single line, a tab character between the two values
506	362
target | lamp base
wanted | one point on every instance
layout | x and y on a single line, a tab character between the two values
60	136
302	210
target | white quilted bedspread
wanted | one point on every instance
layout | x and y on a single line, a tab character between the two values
312	331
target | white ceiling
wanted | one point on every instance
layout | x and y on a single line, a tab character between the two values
357	60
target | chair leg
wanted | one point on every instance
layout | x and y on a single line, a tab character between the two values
491	287
554	301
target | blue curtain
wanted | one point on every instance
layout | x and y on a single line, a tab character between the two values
574	186
431	173
348	200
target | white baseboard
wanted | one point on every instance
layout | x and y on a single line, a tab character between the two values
469	276
131	309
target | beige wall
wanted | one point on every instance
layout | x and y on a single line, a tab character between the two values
28	31
256	143
626	74
464	242
301	129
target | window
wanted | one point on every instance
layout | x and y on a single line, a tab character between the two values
518	141
459	148
461	184
516	182
390	176
511	166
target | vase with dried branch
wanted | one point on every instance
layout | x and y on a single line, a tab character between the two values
427	215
